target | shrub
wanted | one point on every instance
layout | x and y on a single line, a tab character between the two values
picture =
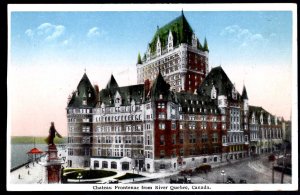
203	168
90	174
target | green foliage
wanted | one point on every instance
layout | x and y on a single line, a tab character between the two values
128	176
38	140
90	174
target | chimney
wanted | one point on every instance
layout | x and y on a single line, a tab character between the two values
147	86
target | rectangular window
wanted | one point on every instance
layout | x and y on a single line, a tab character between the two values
162	154
224	140
215	138
162	126
181	152
71	128
192	138
174	139
85	129
162	140
148	140
161	115
192	151
204	138
70	152
223	126
85	120
173	125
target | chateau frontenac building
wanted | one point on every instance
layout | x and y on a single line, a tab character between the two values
178	116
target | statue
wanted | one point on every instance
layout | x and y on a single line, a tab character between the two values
52	132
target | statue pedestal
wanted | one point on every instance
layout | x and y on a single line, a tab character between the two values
53	165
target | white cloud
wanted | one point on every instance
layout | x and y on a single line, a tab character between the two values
93	32
67	41
57	31
29	33
242	36
47	31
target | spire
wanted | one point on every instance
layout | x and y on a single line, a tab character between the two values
182	11
205	46
244	93
112	83
139	60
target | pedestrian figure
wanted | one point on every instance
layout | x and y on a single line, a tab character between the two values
33	163
28	172
19	176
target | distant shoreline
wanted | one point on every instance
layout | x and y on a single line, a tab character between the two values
38	140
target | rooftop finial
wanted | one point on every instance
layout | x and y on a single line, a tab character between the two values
84	70
157	27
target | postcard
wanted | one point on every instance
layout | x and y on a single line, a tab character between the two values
152	97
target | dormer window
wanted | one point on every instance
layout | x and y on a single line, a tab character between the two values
213	93
90	94
84	102
261	119
170	41
194	41
158	47
234	93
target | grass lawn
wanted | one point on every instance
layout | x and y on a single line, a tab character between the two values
129	176
38	140
89	174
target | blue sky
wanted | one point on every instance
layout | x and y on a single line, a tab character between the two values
50	50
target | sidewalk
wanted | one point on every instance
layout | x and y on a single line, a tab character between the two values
34	174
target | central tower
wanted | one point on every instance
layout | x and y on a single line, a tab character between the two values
176	51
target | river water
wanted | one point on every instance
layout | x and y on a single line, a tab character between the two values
19	153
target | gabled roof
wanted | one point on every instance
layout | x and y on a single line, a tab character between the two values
160	87
181	31
220	80
85	90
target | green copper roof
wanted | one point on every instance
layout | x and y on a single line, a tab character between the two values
181	31
139	60
205	47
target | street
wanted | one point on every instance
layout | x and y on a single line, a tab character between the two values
257	171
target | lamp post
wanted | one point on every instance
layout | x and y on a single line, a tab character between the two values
223	174
79	176
133	174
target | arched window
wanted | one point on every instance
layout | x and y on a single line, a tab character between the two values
113	165
104	164
96	164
